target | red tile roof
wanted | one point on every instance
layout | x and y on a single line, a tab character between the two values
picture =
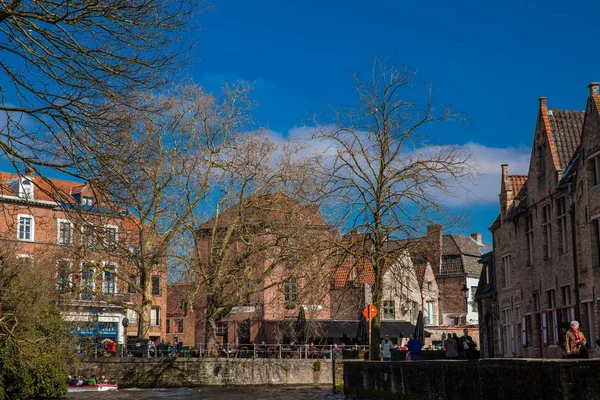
354	271
45	188
517	182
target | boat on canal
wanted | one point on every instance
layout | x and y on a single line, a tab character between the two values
101	387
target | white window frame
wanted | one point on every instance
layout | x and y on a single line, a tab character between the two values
386	308
114	274
58	232
89	240
157	319
107	244
31	230
83	278
69	281
85	202
430	316
544	327
23	193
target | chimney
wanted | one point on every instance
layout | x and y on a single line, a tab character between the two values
476	237
593	86
542	101
434	247
29	171
506	192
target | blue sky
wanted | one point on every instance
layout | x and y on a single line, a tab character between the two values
489	61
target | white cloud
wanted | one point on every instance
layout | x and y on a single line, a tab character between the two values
486	162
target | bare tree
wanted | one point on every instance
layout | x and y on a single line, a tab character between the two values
387	178
151	176
259	237
65	64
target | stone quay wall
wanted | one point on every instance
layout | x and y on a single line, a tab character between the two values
488	379
192	372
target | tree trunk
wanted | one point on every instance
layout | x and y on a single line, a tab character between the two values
376	323
144	322
210	333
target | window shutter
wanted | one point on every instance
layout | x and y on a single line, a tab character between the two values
544	316
523	332
572	313
555	320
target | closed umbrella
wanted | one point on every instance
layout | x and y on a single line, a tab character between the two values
362	333
420	328
300	325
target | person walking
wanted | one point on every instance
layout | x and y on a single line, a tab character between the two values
467	345
414	348
386	348
451	347
575	342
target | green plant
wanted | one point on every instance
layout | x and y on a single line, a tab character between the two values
317	365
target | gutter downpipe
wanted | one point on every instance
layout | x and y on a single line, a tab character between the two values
574	250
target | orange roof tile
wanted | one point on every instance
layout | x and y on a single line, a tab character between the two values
517	182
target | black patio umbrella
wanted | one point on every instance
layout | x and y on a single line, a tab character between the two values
420	328
300	325
362	333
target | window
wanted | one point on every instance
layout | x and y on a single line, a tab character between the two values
429	285
25	260
529	234
26	189
133	317
134	281
64	277
110	280
168	325
87	201
178	325
430	317
547	230
506	268
156	286
552	316
290	290
110	236
221	328
155	316
26	227
595	225
389	311
595	170
561	205
87	281
536	302
87	236
65	232
565	292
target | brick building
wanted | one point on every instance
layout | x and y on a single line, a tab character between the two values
546	239
70	234
182	314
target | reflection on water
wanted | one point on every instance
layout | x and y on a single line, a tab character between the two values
217	393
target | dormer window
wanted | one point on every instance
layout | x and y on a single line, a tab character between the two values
26	189
87	201
22	187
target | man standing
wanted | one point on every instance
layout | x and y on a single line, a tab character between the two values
467	345
386	348
414	348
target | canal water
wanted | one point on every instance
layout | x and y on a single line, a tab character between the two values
217	393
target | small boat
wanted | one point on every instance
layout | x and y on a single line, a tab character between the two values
101	387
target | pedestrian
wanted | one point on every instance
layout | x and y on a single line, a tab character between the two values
467	345
92	381
451	347
414	348
386	348
575	342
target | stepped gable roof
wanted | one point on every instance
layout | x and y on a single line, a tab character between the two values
517	182
566	127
